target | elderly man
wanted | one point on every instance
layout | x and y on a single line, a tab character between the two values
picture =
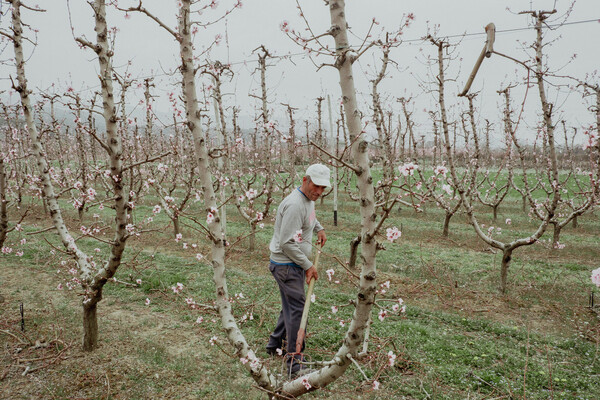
290	258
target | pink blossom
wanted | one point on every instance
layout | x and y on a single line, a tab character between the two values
213	340
199	320
178	288
440	169
138	281
508	221
162	167
382	315
596	277
298	236
284	26
447	189
330	273
334	309
210	218
391	358
408	169
147	302
251	193
306	384
393	234
375	385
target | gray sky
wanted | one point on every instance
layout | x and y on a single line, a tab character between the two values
152	51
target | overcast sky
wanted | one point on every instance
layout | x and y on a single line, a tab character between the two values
151	51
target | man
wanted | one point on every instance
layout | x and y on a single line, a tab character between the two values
290	257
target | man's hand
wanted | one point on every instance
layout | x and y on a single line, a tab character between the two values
321	238
311	273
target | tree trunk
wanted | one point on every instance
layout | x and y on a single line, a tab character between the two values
446	224
90	326
175	220
556	235
506	257
252	238
495	208
575	222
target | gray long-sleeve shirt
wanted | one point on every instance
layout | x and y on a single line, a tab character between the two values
295	213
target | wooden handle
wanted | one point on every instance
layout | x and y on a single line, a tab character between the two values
304	320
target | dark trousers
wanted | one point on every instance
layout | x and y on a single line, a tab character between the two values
291	286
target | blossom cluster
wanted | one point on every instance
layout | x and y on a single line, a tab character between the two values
408	169
393	234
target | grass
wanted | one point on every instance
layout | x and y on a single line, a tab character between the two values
460	338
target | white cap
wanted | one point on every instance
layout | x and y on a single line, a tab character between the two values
319	174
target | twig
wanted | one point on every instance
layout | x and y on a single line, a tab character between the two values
107	385
352	167
42	231
13	335
273	395
147	160
357	366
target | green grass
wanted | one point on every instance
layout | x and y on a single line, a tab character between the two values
459	338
